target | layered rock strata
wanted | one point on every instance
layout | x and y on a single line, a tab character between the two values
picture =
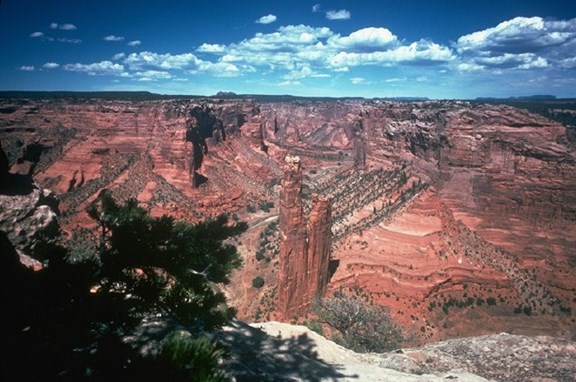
450	213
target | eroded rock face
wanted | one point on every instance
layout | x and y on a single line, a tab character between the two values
186	158
304	245
28	216
319	246
450	213
466	203
293	256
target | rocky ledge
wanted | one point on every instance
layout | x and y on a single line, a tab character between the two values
274	351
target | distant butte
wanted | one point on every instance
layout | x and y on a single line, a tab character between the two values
458	216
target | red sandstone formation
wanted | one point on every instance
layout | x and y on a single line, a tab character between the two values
304	248
436	208
293	257
319	246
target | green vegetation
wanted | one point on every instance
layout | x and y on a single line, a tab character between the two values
360	326
258	282
87	315
265	206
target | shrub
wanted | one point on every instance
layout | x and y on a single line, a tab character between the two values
362	327
258	282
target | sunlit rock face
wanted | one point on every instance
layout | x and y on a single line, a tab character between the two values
449	213
305	243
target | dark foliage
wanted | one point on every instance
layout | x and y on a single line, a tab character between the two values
71	320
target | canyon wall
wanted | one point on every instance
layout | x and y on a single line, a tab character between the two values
161	152
448	212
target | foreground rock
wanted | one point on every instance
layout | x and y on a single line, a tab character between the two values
28	214
274	351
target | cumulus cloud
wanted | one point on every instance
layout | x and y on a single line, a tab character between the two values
268	19
118	56
51	65
316	8
304	51
520	43
27	68
134	43
367	39
113	38
211	48
341	14
155	61
521	34
98	68
417	53
36	34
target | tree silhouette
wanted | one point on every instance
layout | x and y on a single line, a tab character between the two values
88	315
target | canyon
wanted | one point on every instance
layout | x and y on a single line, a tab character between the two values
457	216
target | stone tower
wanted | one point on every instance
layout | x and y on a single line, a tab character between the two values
304	248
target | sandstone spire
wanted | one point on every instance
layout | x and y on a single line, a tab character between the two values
304	249
319	242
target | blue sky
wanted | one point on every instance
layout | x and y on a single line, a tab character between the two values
381	48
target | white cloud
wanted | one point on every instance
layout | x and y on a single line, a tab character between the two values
395	79
421	52
134	43
520	43
359	81
220	69
153	75
68	27
211	48
98	68
51	65
69	40
36	34
520	34
155	61
268	19
303	51
365	39
118	56
27	68
316	8
341	14
290	83
65	27
113	38
469	67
